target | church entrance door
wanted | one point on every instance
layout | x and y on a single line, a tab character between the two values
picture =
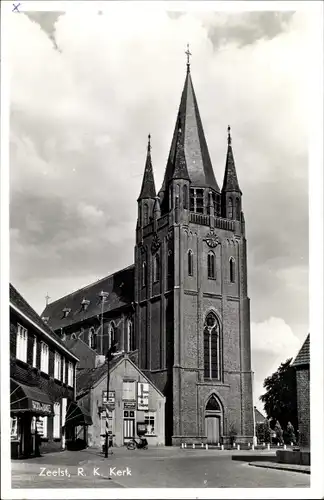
213	420
212	426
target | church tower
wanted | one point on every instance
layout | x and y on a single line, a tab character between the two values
192	308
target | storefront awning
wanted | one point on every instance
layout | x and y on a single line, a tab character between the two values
24	398
75	415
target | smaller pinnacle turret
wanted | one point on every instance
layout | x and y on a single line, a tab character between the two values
230	178
148	185
180	165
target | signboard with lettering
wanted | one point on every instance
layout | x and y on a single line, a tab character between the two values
142	396
42	407
130	406
111	399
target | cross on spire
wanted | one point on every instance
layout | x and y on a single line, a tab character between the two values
149	143
47	297
229	138
188	53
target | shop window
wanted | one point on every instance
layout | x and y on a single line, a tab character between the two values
57	421
41	425
57	366
70	374
44	357
149	419
14	427
35	352
21	343
129	391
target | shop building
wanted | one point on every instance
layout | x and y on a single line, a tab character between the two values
133	400
42	383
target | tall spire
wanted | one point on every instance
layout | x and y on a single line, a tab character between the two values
148	185
180	166
196	153
230	178
188	53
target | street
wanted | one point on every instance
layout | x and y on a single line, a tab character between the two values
153	468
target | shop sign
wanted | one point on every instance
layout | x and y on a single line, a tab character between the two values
142	396
130	406
43	407
111	399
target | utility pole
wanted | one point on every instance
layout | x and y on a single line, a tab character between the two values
104	296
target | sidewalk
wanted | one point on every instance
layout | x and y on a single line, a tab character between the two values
304	469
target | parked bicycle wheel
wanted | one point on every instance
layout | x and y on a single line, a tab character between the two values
131	445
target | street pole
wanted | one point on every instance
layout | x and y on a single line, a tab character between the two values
107	410
254	430
105	295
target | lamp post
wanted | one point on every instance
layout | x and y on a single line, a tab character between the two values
253	408
104	296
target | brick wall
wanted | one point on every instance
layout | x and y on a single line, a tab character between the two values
303	406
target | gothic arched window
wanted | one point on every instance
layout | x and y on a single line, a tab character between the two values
190	262
213	404
232	269
230	208
92	339
111	334
185	197
144	274
211	347
130	336
156	268
238	209
211	265
145	214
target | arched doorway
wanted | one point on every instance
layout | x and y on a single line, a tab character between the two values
213	420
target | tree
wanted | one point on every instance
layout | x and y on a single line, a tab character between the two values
289	434
260	432
280	399
267	431
279	432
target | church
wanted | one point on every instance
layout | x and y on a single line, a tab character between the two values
182	308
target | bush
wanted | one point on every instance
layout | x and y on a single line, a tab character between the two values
289	434
278	431
267	431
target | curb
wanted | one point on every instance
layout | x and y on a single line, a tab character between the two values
284	467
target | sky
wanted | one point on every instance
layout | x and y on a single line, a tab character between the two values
87	89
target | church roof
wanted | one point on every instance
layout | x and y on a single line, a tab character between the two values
196	153
180	170
230	182
303	356
259	417
148	185
120	287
